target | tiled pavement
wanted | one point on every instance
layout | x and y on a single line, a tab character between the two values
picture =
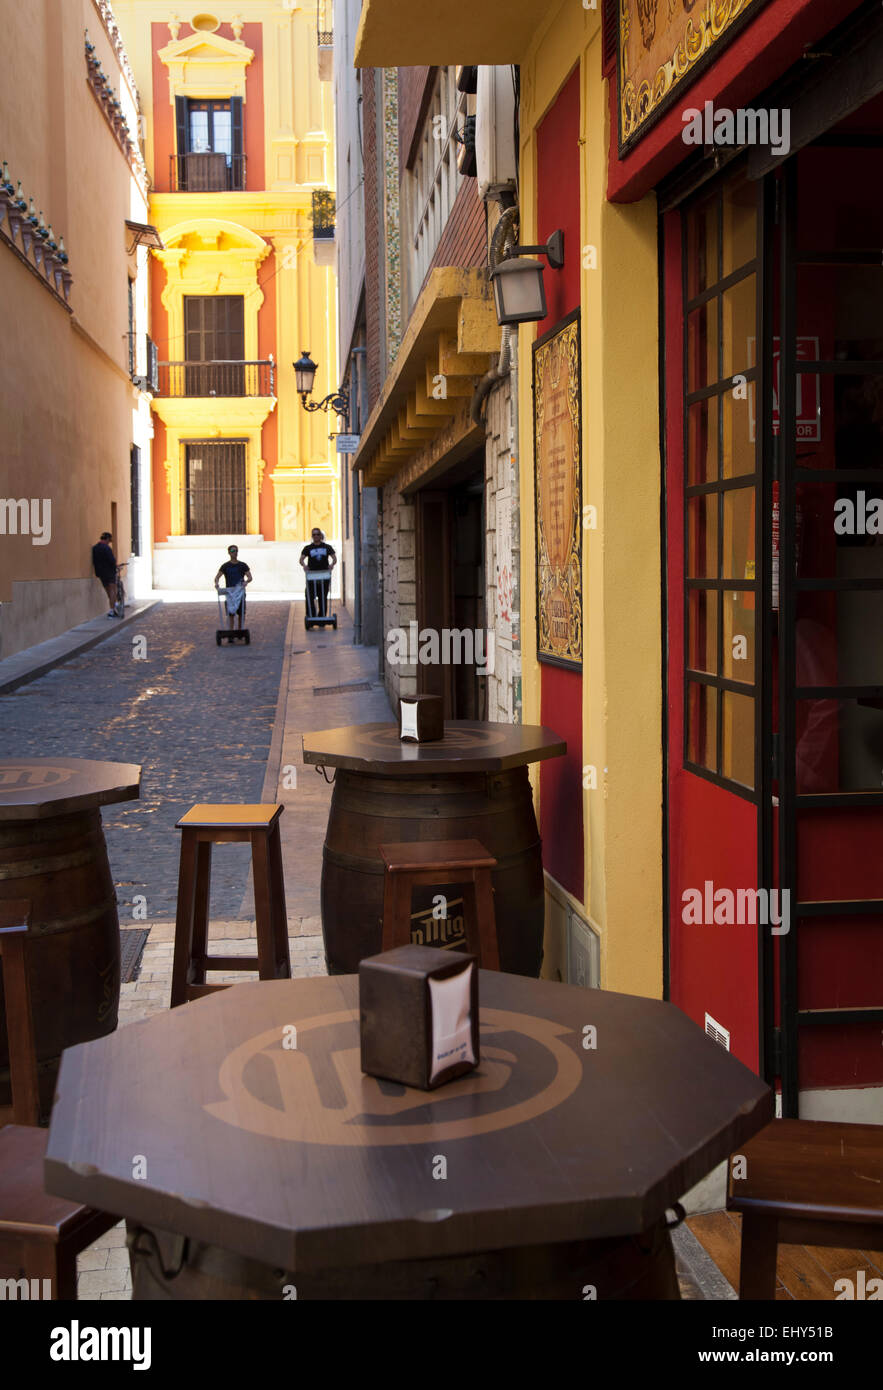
260	758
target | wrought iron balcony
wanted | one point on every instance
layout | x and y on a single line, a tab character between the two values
207	172
181	379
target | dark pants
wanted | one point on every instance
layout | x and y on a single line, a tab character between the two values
317	597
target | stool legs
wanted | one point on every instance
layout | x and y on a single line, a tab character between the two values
277	898
273	958
202	898
485	921
191	958
184	919
757	1264
396	911
478	910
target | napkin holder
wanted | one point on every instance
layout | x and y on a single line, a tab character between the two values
421	718
418	1014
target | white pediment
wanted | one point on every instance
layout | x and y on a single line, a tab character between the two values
206	65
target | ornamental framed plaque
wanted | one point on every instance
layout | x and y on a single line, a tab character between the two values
664	45
558	493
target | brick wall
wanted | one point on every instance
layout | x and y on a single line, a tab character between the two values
464	239
415	88
399	584
374	286
503	556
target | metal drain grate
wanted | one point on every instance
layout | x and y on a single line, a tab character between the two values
354	688
132	943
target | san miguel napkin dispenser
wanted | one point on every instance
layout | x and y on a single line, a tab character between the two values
421	718
418	1010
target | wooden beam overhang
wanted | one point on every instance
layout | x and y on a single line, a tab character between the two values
451	340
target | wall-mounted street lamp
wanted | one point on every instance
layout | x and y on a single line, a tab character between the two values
305	375
519	293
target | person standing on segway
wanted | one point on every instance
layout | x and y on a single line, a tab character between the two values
318	555
237	576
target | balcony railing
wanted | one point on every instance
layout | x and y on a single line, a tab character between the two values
206	172
181	379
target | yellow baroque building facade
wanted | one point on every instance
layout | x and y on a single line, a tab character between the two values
238	141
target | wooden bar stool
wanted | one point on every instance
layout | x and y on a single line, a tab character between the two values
430	863
807	1182
202	827
40	1236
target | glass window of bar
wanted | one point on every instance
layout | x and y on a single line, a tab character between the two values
720	482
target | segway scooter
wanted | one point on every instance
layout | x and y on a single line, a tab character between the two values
318	612
231	634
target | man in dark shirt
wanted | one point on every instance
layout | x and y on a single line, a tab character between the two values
237	576
105	566
318	555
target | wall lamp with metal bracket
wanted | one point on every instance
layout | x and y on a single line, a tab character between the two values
519	293
305	375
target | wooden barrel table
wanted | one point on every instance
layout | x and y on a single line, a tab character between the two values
53	855
472	784
276	1172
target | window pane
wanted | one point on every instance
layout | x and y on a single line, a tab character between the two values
702	441
702	701
199	141
739	611
223	123
839	746
840	529
845	303
702	346
738	546
702	610
739	316
739	224
737	751
702	536
839	638
702	246
853	220
739	434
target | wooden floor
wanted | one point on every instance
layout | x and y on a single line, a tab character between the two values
804	1271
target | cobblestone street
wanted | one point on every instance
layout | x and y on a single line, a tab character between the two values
197	717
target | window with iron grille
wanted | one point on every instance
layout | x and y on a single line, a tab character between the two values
433	181
216	502
132	354
136	499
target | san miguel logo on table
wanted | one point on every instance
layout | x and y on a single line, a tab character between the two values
558	465
316	1093
663	44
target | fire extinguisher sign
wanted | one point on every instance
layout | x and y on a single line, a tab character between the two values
808	402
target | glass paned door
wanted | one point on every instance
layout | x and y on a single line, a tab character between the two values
828	376
214	328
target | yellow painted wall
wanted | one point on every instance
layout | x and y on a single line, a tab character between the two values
304	488
67	401
622	674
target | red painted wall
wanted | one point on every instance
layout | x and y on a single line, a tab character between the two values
163	112
558	200
712	833
759	55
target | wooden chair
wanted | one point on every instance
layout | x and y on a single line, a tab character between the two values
202	827
40	1236
807	1182
431	863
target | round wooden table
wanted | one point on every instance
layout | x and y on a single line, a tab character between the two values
53	856
471	785
251	1157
